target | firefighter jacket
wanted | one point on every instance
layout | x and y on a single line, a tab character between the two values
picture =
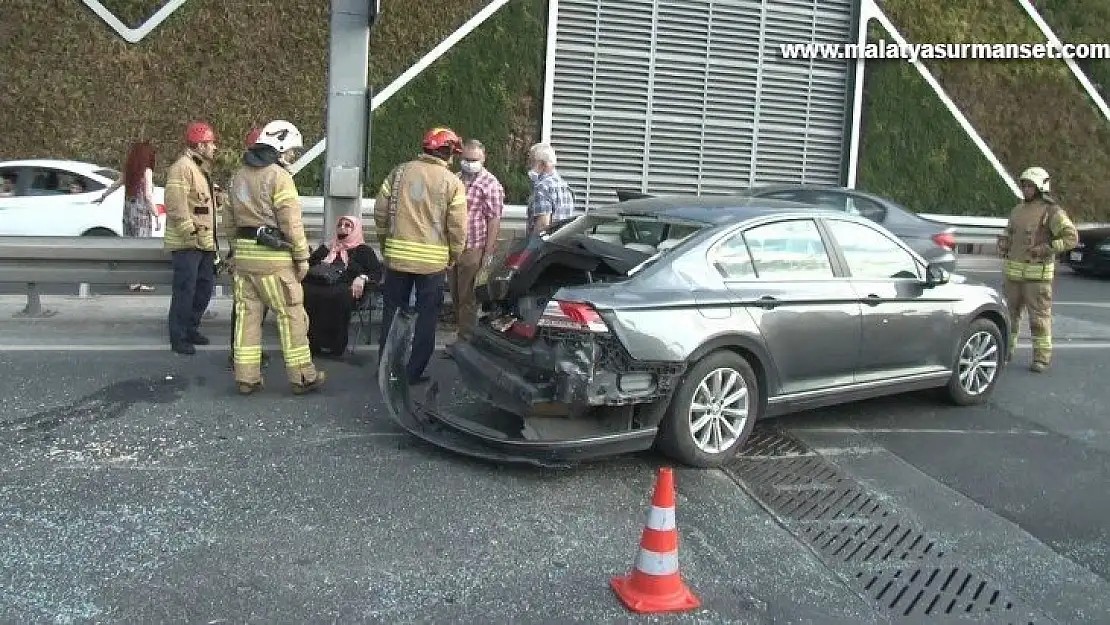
190	205
1036	232
262	193
420	216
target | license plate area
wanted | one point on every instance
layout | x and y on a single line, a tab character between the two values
502	323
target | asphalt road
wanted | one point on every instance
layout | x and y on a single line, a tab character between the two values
137	487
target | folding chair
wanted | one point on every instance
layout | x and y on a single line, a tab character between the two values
363	317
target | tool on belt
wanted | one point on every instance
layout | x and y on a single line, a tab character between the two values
267	236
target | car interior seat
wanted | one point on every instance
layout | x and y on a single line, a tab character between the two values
641	247
615	239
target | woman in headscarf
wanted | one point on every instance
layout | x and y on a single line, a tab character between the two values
340	272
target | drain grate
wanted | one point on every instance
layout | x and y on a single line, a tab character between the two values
947	591
888	560
871	543
767	442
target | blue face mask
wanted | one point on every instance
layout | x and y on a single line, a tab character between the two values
533	174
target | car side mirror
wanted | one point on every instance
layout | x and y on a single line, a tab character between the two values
935	275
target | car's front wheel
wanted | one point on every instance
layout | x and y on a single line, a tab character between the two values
713	411
979	362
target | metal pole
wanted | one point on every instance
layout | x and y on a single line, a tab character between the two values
347	108
34	309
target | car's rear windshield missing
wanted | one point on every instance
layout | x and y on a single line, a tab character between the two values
645	234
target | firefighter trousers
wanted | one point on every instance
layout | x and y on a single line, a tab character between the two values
280	292
1034	297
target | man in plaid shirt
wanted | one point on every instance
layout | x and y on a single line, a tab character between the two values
551	199
485	200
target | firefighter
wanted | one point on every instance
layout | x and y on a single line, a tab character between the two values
190	236
252	137
1038	229
420	216
271	258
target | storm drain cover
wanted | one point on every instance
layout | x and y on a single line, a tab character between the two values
900	568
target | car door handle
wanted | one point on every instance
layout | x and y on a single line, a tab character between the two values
872	300
767	301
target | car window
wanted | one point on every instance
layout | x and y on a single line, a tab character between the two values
871	254
789	250
866	208
45	181
8	177
732	260
108	173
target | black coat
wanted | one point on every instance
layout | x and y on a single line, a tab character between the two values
360	260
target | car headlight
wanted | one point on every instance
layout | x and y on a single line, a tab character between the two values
1104	246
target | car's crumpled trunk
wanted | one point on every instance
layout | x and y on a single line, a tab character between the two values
582	260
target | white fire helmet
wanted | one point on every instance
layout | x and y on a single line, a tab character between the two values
1038	176
281	135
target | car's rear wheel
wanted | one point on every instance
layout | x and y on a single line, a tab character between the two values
713	411
98	232
978	363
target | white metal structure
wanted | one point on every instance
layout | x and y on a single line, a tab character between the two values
41	202
134	35
693	96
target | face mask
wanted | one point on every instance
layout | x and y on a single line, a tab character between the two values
533	174
471	167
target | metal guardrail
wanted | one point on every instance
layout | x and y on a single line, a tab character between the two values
100	260
312	209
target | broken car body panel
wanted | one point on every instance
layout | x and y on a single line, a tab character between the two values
490	435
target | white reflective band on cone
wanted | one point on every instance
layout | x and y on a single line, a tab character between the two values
661	519
653	563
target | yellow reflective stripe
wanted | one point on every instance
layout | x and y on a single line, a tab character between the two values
1018	270
176	184
247	249
285	195
386	188
297	357
430	253
459	199
243	354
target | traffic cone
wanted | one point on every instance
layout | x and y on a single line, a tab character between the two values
655	584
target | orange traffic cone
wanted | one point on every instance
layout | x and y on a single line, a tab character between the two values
655	585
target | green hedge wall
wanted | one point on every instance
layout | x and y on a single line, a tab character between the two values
1030	113
490	87
913	150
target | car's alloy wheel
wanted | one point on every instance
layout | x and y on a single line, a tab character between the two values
712	412
978	363
719	410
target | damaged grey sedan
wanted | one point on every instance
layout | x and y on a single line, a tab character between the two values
678	322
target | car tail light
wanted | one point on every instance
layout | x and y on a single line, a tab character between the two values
516	260
572	316
523	330
945	239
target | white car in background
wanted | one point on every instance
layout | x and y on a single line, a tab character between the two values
39	200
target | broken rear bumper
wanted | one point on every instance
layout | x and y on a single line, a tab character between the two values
498	438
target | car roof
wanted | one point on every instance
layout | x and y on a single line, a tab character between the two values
711	210
78	167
